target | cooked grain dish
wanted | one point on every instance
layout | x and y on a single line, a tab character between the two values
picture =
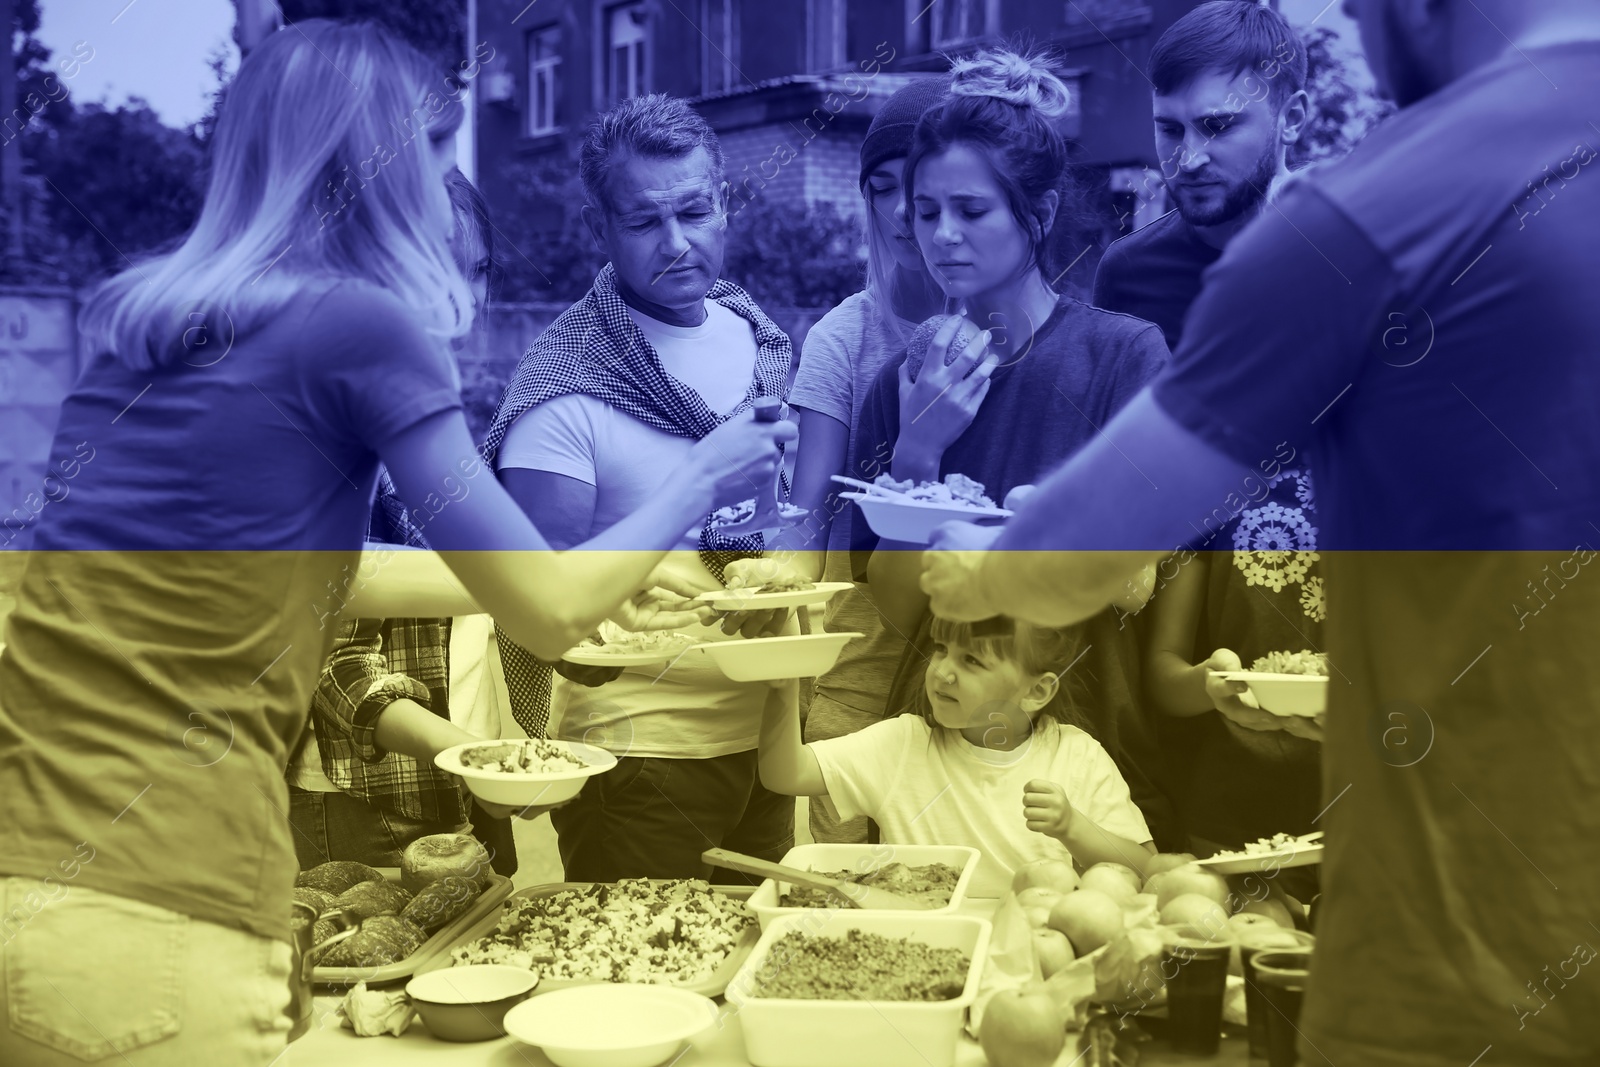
635	930
533	756
860	966
934	883
956	489
1303	662
792	584
746	509
1262	847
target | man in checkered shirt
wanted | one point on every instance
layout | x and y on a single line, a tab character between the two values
604	405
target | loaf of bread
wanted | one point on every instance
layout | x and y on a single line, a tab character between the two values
441	902
428	859
336	876
317	898
373	898
382	939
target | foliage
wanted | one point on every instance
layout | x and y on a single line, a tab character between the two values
433	26
547	252
1345	109
117	183
795	255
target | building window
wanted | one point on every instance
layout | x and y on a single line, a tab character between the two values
719	28
956	22
625	42
544	72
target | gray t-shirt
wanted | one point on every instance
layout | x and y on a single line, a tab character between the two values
842	355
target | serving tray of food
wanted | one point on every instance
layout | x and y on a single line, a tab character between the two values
407	916
683	933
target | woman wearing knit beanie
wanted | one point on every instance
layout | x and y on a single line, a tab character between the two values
841	356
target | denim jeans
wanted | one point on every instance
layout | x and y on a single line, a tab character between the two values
337	826
93	977
651	817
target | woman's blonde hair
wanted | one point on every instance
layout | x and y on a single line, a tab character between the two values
892	287
320	171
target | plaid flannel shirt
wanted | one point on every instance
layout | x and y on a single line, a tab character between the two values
375	662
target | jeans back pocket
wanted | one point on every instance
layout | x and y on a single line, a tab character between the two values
88	973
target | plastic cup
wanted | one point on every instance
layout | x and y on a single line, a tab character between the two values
1255	1007
1196	969
1282	977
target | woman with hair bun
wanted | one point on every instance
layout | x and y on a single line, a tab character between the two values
1014	381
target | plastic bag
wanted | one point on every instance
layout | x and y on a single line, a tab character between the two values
372	1012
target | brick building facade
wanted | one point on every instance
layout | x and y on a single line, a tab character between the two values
790	85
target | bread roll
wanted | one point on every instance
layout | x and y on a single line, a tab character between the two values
428	859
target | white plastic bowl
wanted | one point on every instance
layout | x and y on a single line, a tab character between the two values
612	1025
913	521
523	789
1305	695
823	857
766	659
859	1033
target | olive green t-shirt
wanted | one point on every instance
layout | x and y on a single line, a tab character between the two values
173	617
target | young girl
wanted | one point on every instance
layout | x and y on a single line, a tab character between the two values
983	179
993	761
843	353
237	396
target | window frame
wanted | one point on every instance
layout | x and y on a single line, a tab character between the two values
550	66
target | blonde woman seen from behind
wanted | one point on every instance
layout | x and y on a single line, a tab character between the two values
237	396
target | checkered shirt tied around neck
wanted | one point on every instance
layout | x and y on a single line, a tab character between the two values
595	348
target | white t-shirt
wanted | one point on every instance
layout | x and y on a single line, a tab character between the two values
930	786
691	710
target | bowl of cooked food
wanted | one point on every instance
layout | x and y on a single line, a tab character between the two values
1287	683
613	646
791	592
860	988
767	659
938	875
525	771
612	1024
910	511
469	1003
745	510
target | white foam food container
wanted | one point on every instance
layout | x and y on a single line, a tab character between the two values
913	521
863	858
859	1033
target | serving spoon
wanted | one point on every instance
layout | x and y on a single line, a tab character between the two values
862	896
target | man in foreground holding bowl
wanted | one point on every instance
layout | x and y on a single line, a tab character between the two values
1460	859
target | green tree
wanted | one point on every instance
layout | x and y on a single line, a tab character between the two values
436	27
111	184
1345	109
547	253
788	254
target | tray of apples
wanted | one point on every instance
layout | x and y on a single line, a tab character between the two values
1064	942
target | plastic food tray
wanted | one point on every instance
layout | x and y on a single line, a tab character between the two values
711	987
824	857
438	944
859	1033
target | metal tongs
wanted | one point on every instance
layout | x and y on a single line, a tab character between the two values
768	517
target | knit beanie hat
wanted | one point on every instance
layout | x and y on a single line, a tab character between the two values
889	136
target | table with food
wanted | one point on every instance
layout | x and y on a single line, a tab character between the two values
1098	967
